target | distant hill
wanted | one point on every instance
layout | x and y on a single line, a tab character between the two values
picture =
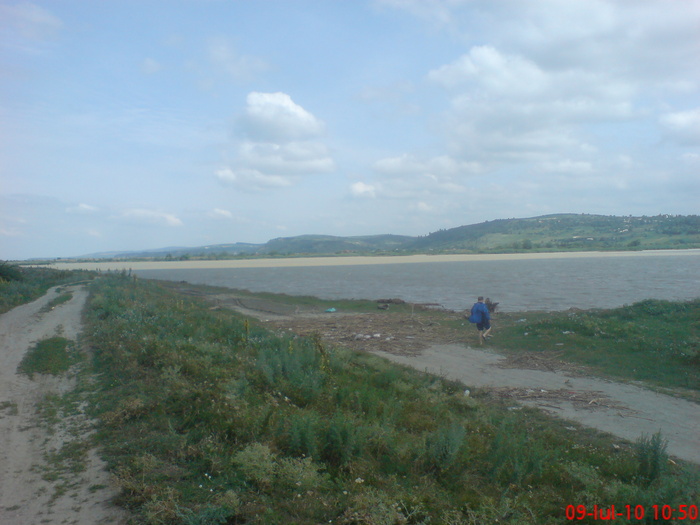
561	232
567	232
327	244
177	252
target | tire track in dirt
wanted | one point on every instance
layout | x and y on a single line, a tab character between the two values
25	496
621	409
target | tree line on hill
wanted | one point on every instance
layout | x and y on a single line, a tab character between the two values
548	233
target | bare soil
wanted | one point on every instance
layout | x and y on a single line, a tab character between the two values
34	486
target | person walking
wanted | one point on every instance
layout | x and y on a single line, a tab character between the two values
482	318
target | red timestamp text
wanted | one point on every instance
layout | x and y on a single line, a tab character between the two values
632	512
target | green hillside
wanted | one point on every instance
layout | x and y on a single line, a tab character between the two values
328	244
566	232
562	232
548	233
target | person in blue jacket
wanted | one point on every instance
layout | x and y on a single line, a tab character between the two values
481	316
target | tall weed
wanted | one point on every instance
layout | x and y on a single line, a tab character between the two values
442	446
651	457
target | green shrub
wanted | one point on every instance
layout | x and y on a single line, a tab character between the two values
442	446
10	272
294	370
516	456
339	441
299	435
208	515
257	463
651	457
301	474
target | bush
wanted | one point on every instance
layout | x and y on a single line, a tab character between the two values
294	370
9	272
338	441
300	437
442	447
651	457
257	464
517	457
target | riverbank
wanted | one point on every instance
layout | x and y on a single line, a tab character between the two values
292	262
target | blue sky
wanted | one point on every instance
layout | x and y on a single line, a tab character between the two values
129	125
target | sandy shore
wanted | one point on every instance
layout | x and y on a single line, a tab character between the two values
352	261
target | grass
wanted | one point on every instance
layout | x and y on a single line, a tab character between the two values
20	285
54	356
309	303
655	342
66	449
57	301
9	408
206	418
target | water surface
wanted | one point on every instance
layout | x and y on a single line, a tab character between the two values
517	284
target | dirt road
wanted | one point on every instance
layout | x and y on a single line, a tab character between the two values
33	489
626	411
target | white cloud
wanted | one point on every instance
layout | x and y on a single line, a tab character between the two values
440	166
275	117
221	214
227	61
691	158
82	208
683	126
438	12
361	189
488	81
29	20
150	66
6	231
290	158
281	145
144	216
251	180
409	178
507	108
487	69
567	166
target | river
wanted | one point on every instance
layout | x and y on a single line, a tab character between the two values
550	282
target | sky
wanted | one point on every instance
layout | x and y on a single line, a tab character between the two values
140	124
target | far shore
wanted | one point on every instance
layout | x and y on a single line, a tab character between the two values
351	260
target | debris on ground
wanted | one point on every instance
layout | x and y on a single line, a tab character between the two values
587	399
547	361
400	334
